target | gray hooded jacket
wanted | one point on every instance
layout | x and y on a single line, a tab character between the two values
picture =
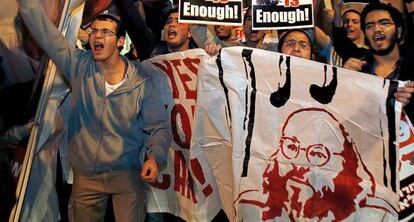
105	132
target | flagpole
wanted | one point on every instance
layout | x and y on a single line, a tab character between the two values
50	72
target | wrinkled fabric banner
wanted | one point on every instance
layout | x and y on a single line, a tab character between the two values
186	186
310	142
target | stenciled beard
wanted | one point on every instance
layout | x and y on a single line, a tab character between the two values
382	52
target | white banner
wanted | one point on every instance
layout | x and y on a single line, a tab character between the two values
310	142
268	137
185	187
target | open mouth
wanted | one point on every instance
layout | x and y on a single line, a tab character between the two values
171	33
98	46
378	38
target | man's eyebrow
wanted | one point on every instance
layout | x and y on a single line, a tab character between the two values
380	20
385	19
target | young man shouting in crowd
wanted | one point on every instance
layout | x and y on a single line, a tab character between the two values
383	28
115	116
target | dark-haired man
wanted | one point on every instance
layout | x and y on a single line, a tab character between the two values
296	42
114	107
254	38
176	35
383	28
223	32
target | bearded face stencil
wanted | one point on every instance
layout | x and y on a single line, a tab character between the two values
316	172
311	144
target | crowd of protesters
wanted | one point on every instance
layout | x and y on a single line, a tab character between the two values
376	39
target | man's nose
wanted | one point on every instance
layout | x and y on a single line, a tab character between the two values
296	47
98	34
377	27
174	23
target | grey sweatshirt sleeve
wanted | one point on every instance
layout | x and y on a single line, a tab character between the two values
203	36
155	123
48	37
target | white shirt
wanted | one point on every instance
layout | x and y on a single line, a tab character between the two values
110	88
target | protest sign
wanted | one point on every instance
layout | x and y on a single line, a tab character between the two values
226	12
282	14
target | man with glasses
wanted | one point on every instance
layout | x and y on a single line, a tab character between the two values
115	117
296	42
383	28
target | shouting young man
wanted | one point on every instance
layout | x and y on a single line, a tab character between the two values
115	116
383	29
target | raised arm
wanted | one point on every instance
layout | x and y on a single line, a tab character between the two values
48	37
337	18
203	36
141	36
321	38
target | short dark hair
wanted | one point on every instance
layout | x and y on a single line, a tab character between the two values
120	28
395	14
173	10
192	44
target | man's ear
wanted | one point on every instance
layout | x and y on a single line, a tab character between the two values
120	42
189	35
